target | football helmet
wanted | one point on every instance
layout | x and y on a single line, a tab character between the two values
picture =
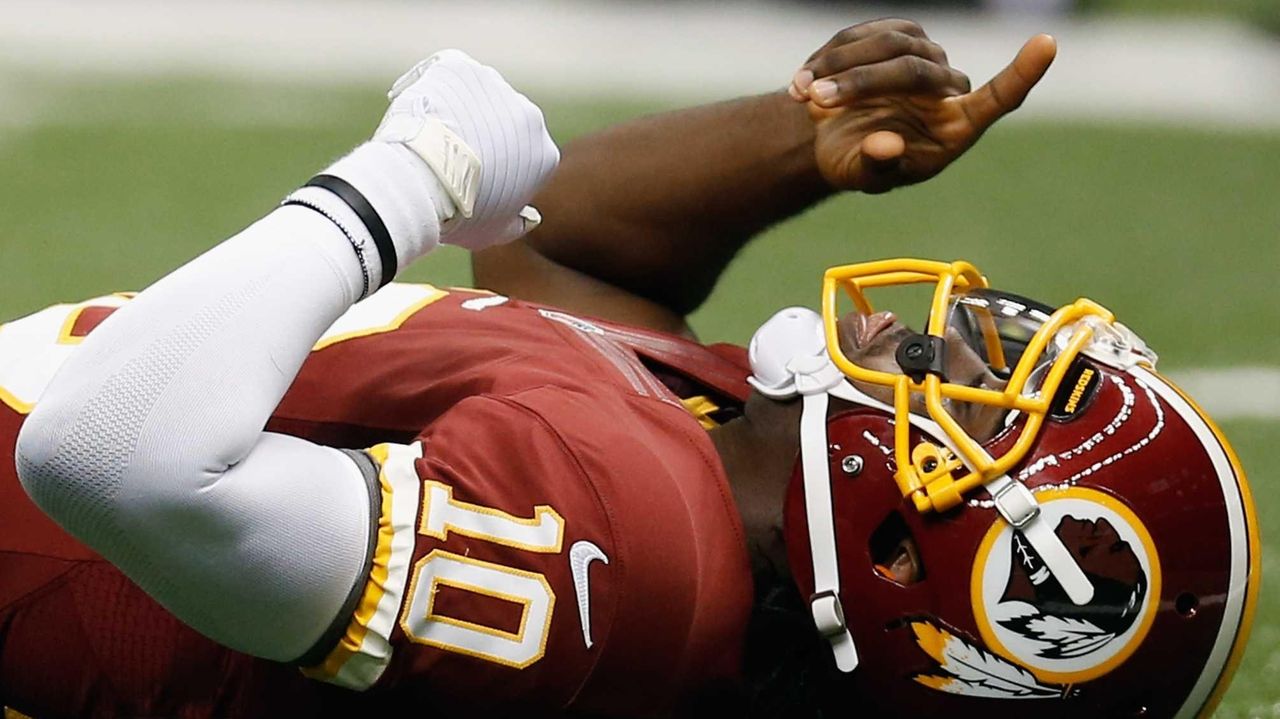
1094	549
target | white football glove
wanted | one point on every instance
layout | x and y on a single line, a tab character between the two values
485	142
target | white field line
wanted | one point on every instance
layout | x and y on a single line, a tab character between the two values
1233	392
1140	69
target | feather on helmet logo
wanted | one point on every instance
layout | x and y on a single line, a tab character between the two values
1025	616
969	670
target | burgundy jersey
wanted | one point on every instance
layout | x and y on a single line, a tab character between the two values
556	530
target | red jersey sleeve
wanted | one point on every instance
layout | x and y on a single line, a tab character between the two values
561	536
78	639
541	551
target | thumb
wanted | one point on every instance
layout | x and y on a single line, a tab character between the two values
497	231
525	221
1010	87
879	155
529	218
883	146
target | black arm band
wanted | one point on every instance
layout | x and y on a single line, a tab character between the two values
369	216
357	246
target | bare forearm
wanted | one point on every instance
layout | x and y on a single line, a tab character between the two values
642	218
659	206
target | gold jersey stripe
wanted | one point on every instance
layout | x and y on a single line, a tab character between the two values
364	651
383	312
701	407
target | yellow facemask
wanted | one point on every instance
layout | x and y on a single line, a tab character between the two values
925	472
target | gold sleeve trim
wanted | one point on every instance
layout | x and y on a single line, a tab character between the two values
364	650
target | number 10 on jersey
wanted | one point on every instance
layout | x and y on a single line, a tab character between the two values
422	623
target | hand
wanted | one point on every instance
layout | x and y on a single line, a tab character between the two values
485	142
889	111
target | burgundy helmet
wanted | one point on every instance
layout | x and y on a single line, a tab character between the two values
1093	549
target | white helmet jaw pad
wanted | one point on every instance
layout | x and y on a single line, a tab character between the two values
789	358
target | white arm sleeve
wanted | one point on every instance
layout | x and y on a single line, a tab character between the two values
148	446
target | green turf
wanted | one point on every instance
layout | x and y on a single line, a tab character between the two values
107	186
1254	692
1264	14
1172	229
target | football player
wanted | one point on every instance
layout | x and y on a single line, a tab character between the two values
580	461
81	639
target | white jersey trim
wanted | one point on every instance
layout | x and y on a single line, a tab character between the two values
365	650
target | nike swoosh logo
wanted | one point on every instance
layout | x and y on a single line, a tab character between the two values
581	555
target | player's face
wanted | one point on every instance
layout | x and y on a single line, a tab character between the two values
872	340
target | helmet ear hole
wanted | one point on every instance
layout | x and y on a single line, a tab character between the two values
894	553
1187	604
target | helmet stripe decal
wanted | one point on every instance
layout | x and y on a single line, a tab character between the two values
1234	611
1091	443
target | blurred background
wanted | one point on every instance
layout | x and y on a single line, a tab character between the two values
1143	172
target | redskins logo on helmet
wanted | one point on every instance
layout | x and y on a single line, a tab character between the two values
1011	512
1021	609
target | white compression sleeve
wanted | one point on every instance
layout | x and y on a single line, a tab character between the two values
148	445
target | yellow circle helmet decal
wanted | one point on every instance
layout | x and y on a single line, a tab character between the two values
1023	614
